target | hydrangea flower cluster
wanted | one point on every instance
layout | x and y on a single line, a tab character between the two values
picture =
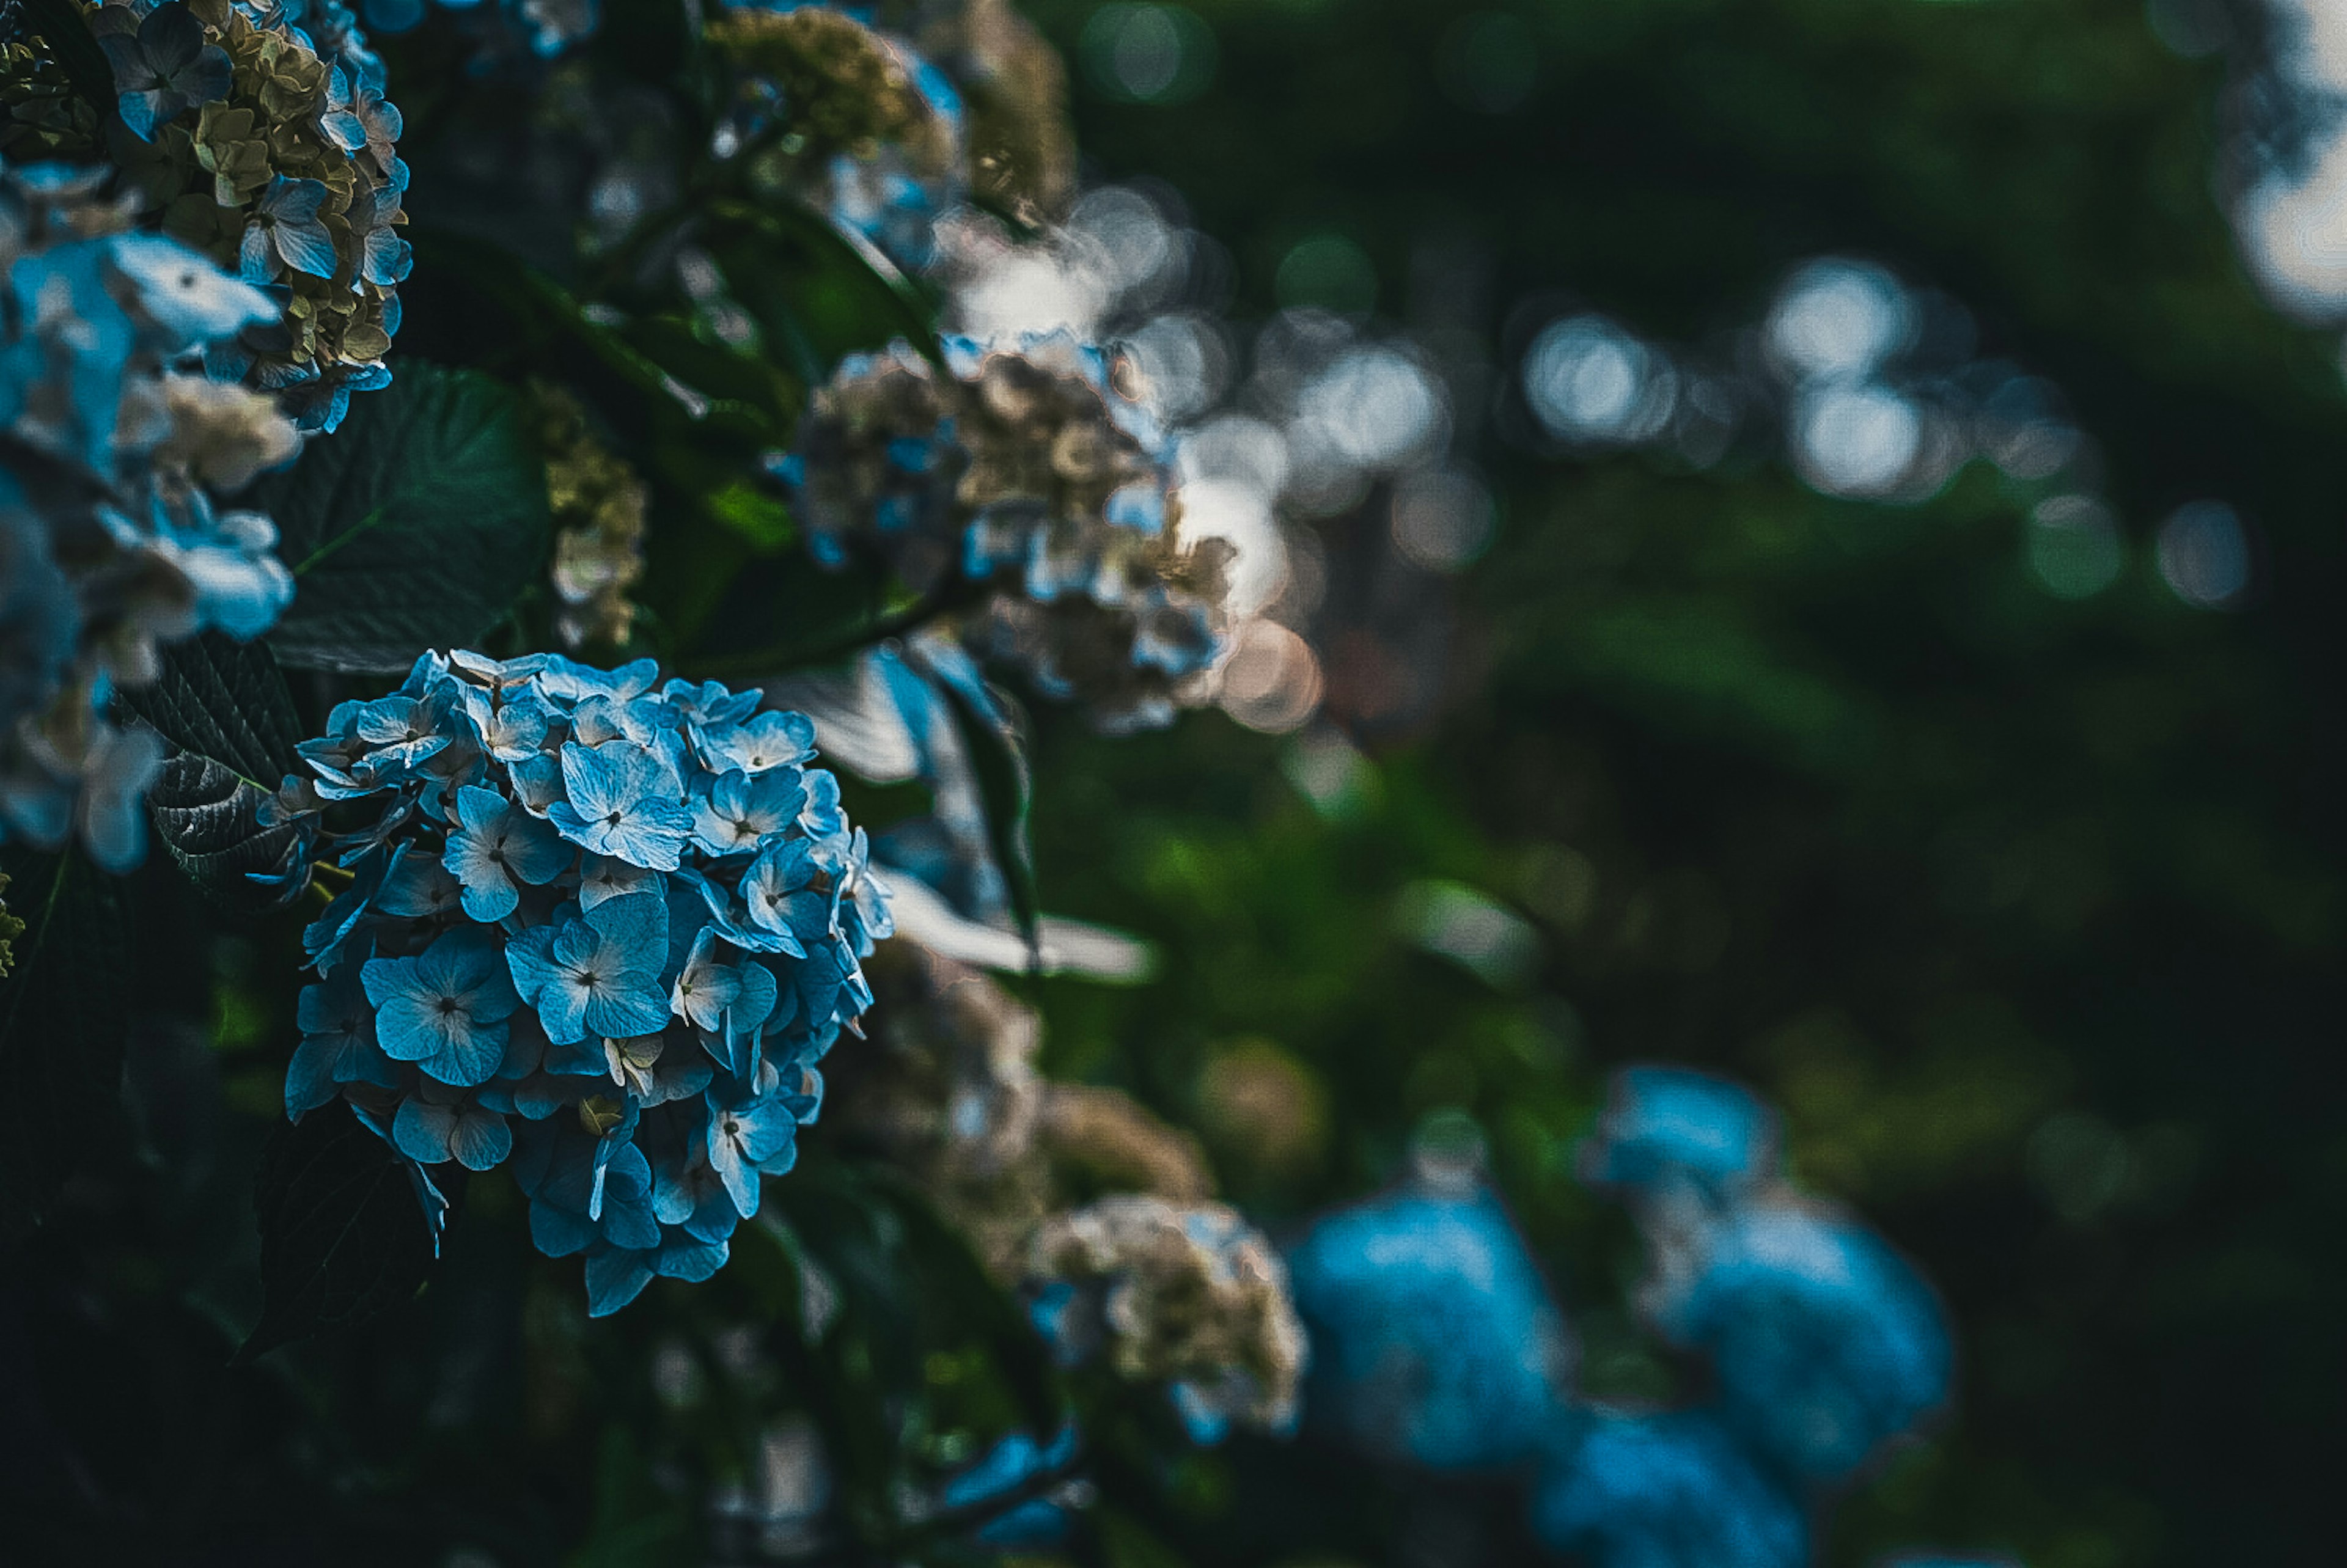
600	503
855	117
1188	1295
112	443
1437	1341
1673	1490
259	134
1019	468
1825	1344
11	928
603	926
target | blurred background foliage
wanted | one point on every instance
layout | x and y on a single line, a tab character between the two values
2026	907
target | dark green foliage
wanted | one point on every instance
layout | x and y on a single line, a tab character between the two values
204	815
65	1012
997	754
343	1236
224	708
218	698
419	526
816	295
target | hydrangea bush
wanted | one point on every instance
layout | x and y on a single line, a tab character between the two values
601	926
592	933
111	541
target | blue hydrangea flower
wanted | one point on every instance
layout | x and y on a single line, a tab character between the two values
550	920
1667	1126
446	1009
1673	1490
620	800
597	972
1014	1462
1434	1338
165	67
1825	1343
498	848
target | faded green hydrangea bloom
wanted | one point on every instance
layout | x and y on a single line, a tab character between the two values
1188	1295
11	928
266	146
599	502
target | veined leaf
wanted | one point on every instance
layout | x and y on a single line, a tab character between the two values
227	700
343	1236
415	525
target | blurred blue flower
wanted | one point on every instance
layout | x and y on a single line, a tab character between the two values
1434	1338
1667	1124
1010	1465
1674	1490
191	300
1825	1343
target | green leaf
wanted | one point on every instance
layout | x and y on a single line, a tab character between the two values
224	708
950	1271
208	819
62	25
817	293
65	1018
343	1236
997	743
227	700
415	525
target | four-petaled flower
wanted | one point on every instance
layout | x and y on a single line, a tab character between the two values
338	1046
623	803
597	972
285	232
164	68
446	1009
744	1138
496	846
436	1126
768	739
740	811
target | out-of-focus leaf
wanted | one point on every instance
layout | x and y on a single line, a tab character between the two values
343	1236
817	293
635	1524
997	745
951	1274
710	379
417	525
65	1016
227	700
62	25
